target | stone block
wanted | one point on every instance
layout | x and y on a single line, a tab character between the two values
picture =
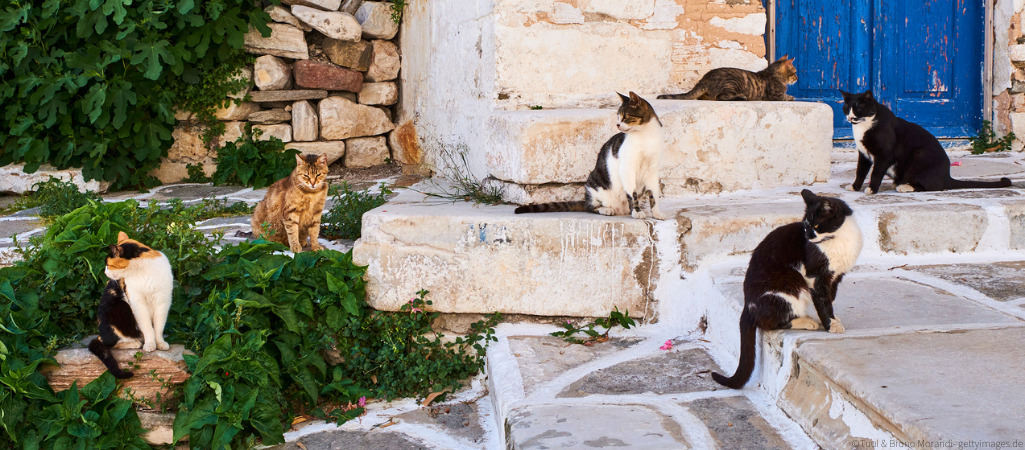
14	180
542	358
333	24
305	126
584	425
710	147
1016	217
188	148
617	9
350	6
385	63
500	259
405	145
287	96
156	372
271	116
713	233
343	119
282	131
246	74
1017	52
366	151
1000	281
232	131
159	427
912	228
281	14
334	150
235	111
326	5
324	75
384	93
271	73
354	55
285	41
375	17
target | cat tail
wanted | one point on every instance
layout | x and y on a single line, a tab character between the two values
106	356
967	184
693	94
552	207
747	355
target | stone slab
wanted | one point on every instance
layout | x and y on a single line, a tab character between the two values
542	358
353	440
540	265
287	96
1001	281
159	427
671	372
711	147
592	425
187	192
902	229
461	420
14	180
10	228
960	386
709	233
285	41
735	423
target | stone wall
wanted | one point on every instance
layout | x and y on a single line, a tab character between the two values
1009	69
324	82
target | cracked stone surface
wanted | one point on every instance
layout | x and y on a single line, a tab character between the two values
734	423
460	419
188	192
1000	281
353	440
592	425
675	371
542	358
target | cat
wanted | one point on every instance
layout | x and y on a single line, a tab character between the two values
293	205
728	83
627	167
793	276
135	303
912	156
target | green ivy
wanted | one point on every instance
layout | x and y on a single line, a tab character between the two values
987	140
94	83
344	220
250	161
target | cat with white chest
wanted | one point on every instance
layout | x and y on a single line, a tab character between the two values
627	167
792	279
135	302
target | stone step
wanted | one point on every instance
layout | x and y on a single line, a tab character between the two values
711	147
927	349
479	259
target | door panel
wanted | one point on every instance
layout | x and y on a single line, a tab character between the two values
923	59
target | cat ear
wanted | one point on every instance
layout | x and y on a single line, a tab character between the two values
115	251
623	97
299	160
868	94
846	95
121	237
809	196
322	160
634	96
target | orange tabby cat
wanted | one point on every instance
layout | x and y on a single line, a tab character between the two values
293	205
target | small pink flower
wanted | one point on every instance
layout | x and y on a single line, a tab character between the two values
667	346
956	163
416	310
362	402
411	301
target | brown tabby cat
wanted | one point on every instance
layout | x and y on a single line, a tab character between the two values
293	205
727	83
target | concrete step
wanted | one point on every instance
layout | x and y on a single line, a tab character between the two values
927	349
711	147
485	258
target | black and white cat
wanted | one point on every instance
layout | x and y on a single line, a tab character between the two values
793	275
135	302
627	167
893	146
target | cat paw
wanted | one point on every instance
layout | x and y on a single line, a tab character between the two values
163	345
605	211
835	326
849	187
638	215
905	188
315	247
149	346
869	191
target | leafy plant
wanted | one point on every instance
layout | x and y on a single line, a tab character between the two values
93	84
396	10
987	140
250	161
196	174
593	336
53	197
465	186
344	220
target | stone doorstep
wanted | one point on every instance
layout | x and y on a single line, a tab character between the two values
711	147
578	264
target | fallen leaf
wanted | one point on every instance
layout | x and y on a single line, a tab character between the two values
299	420
387	424
373	378
300	445
430	398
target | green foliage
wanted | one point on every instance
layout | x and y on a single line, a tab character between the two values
53	197
210	90
345	218
396	10
250	161
196	174
593	336
260	321
93	83
987	140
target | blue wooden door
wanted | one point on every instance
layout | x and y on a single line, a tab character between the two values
921	58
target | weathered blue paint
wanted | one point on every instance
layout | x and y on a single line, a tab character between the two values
923	58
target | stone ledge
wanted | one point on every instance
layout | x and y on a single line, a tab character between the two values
711	147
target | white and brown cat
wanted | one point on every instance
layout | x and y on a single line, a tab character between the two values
627	167
135	303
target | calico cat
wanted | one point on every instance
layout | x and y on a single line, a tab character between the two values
627	167
134	306
907	152
793	275
293	205
728	83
